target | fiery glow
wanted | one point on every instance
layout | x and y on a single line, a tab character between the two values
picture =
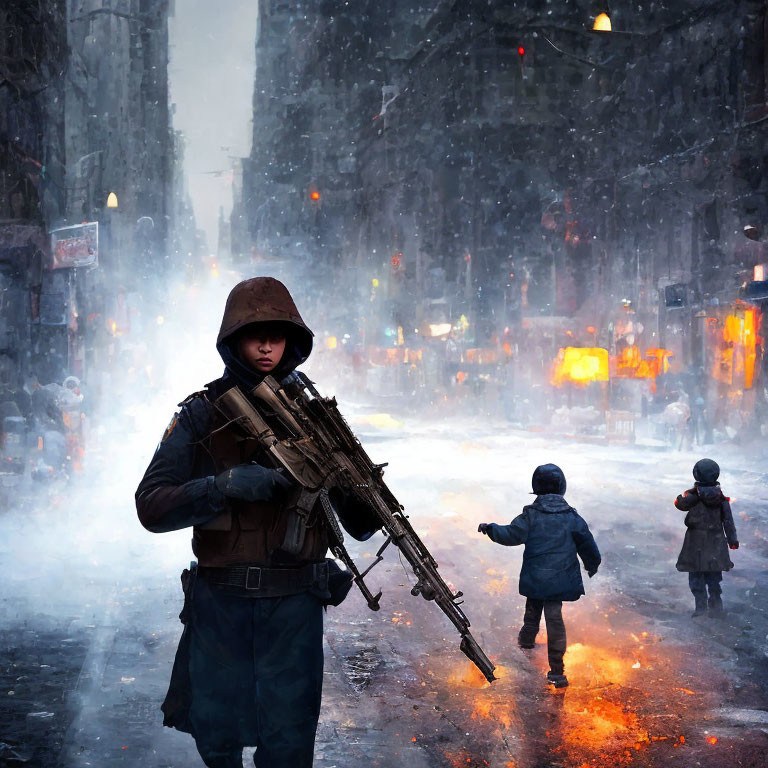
597	722
580	365
486	709
468	676
481	355
736	356
394	355
629	364
497	586
712	739
602	23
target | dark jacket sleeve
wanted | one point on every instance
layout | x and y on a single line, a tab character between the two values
169	497
358	518
728	526
687	500
586	546
510	535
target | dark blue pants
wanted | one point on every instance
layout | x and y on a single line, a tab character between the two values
255	677
556	638
701	581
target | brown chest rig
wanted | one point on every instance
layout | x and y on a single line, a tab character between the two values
255	533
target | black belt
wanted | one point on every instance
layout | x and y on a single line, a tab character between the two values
258	580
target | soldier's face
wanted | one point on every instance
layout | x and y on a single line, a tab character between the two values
261	348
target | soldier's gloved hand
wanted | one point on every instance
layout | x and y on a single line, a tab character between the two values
483	528
735	545
591	573
252	482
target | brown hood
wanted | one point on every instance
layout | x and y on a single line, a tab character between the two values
263	300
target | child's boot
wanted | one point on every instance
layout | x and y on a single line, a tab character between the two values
558	680
716	610
701	604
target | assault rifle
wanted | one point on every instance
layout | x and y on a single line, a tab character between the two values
307	436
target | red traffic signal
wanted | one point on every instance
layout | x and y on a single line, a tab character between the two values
314	195
521	50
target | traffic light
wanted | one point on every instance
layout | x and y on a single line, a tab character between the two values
526	63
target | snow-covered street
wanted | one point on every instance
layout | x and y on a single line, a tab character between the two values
90	604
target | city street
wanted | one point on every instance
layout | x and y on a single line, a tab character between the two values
499	235
90	604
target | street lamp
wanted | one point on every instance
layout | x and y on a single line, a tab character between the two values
602	23
112	200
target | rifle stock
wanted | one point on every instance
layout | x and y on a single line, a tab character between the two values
307	435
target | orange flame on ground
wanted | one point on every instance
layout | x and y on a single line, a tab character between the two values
497	586
485	709
469	676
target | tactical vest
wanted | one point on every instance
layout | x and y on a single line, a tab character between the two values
249	532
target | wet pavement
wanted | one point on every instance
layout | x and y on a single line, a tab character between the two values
88	623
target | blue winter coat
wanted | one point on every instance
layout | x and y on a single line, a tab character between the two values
553	534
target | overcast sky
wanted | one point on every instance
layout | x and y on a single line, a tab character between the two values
211	75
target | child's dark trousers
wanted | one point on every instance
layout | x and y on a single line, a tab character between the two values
556	641
700	582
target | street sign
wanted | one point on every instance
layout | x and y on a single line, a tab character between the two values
76	246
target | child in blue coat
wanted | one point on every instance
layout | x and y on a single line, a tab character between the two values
553	534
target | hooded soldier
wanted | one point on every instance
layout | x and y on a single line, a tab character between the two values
554	534
248	670
710	532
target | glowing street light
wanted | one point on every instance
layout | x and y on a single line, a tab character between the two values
602	23
112	200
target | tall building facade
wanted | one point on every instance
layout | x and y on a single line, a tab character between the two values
508	164
85	138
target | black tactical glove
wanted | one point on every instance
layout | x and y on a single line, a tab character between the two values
252	482
483	528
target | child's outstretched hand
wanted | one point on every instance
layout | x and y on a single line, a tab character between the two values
483	528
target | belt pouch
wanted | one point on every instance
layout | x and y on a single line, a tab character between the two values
188	576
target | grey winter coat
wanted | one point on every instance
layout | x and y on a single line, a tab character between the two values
553	534
710	530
